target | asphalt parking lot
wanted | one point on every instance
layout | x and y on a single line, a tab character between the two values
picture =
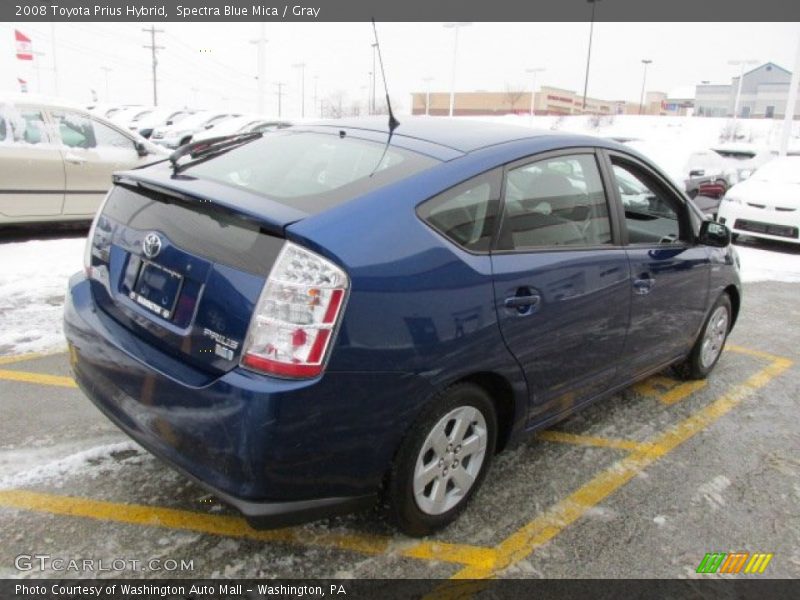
641	485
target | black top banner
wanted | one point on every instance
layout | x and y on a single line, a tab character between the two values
401	10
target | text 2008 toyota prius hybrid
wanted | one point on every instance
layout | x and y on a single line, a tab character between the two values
308	321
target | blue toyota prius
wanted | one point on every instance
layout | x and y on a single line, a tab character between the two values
308	321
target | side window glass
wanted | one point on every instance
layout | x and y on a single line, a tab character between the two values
106	137
556	202
466	214
651	215
24	125
75	129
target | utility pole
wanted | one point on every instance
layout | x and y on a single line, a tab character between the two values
153	48
302	67
645	62
279	93
36	55
53	49
261	43
791	103
427	81
588	55
106	70
316	82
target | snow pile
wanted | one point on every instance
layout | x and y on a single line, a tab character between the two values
100	459
768	265
33	282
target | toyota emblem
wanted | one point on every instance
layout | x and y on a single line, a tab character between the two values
151	245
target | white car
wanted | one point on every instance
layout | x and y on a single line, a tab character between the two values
743	159
767	204
182	132
242	124
160	117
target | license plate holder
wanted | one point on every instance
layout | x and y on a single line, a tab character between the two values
157	289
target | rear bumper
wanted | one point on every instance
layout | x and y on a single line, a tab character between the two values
279	451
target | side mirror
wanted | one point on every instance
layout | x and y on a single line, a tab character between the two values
697	173
714	234
169	122
141	149
209	126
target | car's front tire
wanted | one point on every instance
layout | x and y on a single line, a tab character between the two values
709	345
443	460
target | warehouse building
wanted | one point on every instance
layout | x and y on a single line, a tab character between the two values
765	91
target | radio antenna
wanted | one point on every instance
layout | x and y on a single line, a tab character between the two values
393	123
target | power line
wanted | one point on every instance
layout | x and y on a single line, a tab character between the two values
153	48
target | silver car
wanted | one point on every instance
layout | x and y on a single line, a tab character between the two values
56	161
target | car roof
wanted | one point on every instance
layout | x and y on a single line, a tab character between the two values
464	135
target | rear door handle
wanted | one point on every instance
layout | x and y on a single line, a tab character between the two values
643	285
74	159
523	305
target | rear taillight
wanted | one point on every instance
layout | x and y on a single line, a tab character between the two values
296	315
87	252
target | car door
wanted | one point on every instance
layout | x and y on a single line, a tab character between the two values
669	271
92	151
561	278
31	169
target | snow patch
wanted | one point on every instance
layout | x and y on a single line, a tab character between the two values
768	265
99	458
33	282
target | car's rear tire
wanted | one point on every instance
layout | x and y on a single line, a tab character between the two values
710	343
443	460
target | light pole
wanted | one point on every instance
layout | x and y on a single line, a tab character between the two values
645	62
279	93
372	84
533	72
36	57
455	27
427	81
316	82
741	64
302	67
589	54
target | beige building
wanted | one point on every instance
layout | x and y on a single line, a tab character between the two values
547	101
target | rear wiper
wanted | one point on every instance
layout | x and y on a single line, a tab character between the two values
211	147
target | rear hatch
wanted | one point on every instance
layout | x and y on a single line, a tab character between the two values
181	271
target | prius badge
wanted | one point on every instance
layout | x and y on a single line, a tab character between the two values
151	245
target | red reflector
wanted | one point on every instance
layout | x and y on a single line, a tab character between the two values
333	307
319	346
278	368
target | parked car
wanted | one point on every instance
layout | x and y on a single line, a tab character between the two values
743	159
305	320
56	161
182	131
767	204
160	117
702	172
241	124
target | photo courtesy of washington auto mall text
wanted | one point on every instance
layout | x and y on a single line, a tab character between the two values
399	300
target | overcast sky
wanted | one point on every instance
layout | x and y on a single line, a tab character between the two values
218	60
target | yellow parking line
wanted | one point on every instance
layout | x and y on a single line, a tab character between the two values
17	358
40	378
682	391
545	527
231	526
600	442
751	352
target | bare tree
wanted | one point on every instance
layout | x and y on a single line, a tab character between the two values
513	95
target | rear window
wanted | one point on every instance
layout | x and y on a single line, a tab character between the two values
311	171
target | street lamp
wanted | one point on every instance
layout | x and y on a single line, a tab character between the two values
372	83
261	43
455	27
589	54
302	67
533	71
741	64
645	62
427	81
106	70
